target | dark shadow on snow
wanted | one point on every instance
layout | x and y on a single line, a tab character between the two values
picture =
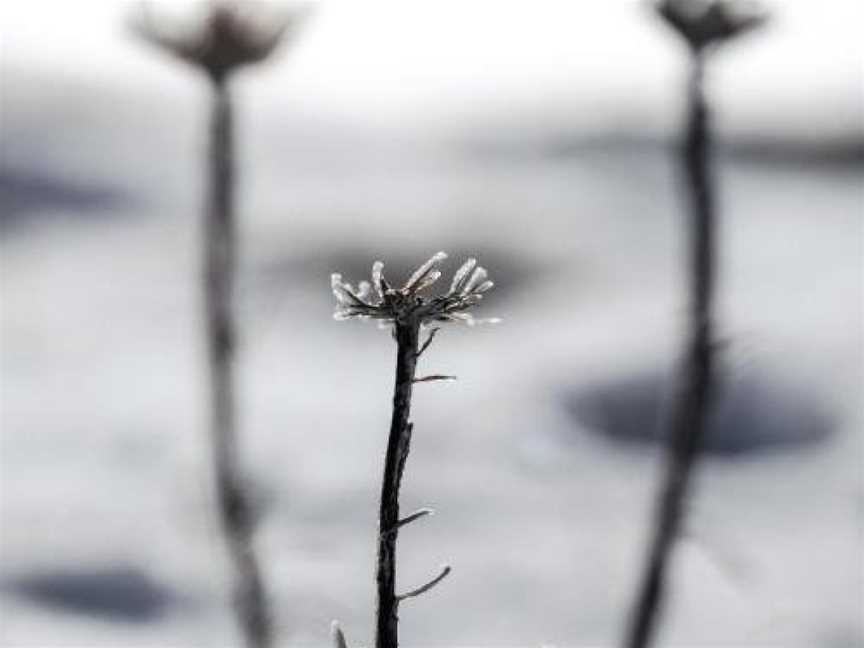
120	593
26	196
751	414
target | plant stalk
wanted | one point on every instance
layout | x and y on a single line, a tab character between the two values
690	417
220	250
407	337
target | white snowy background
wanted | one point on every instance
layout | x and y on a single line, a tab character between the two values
535	134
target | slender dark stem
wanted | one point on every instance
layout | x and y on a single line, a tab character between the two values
218	274
387	632
688	424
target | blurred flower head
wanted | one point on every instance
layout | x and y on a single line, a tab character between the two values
707	22
405	305
227	36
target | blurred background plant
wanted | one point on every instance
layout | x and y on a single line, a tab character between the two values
532	133
228	37
704	25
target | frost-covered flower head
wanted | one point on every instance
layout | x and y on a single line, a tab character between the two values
406	305
707	22
229	34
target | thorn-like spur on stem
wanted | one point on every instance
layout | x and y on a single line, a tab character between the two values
428	340
445	570
337	635
433	378
416	515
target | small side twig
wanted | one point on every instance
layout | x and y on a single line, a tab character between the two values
416	515
410	518
428	340
445	571
433	378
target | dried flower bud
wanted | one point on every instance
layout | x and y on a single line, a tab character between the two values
706	22
379	301
230	35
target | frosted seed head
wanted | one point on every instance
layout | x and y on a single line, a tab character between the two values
377	300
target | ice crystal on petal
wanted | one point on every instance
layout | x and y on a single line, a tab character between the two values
377	279
421	272
476	279
428	280
377	300
364	290
462	275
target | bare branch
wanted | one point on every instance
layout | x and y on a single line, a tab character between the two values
445	570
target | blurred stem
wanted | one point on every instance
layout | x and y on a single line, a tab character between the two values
220	244
689	422
407	336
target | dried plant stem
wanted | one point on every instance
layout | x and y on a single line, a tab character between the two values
220	245
407	337
688	425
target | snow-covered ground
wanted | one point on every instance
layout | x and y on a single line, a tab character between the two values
104	480
559	178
